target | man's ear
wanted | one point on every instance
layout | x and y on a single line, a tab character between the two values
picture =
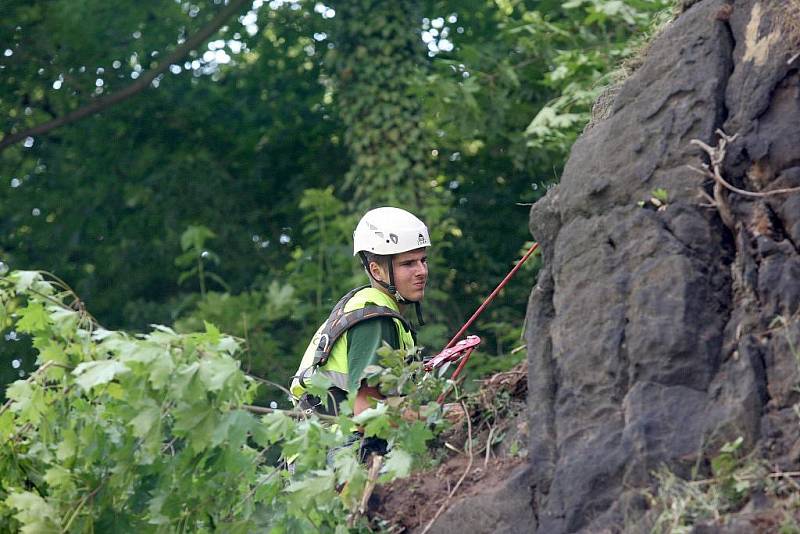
377	271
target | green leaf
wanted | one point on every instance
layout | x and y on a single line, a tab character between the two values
376	421
228	344
194	237
139	351
6	425
67	446
180	385
91	374
415	437
212	333
215	372
371	413
35	514
25	279
19	391
52	352
28	401
234	428
278	426
346	465
311	487
161	370
660	194
33	318
398	463
58	477
146	419
318	385
732	446
197	423
65	319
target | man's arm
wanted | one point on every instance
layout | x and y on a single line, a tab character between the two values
363	341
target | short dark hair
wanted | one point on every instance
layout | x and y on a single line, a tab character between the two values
369	257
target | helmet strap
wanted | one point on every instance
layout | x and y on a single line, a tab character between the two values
391	287
418	309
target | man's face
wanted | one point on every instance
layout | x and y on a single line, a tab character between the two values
410	273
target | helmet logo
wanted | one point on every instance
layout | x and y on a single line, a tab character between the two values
394	238
421	240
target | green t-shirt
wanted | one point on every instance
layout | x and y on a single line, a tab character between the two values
363	340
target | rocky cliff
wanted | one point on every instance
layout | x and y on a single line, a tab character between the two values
660	329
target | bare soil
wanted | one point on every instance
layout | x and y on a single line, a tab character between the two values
409	504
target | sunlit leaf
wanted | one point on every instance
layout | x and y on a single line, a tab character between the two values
398	463
91	374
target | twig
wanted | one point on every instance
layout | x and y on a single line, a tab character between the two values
169	446
299	413
460	480
780	474
717	155
453	448
273	384
372	479
488	447
78	508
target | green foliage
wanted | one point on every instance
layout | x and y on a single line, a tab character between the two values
254	317
681	504
661	195
195	257
375	65
154	432
228	146
322	268
279	148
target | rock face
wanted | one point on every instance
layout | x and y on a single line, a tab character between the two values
657	335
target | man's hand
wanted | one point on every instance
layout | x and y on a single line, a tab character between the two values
363	398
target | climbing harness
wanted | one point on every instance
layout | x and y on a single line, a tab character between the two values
340	322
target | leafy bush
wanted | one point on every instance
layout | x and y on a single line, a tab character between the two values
155	432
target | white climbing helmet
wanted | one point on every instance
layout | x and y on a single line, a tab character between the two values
388	231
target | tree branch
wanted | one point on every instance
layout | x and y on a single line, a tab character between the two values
134	88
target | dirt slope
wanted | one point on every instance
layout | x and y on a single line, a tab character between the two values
469	489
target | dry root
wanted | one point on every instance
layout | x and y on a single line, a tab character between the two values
713	170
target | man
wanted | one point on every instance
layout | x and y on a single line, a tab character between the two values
392	244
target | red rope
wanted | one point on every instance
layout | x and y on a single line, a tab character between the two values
491	297
477	313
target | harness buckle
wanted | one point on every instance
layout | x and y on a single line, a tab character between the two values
324	341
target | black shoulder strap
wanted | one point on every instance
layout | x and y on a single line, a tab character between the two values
340	322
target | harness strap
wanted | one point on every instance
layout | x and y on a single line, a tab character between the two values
340	322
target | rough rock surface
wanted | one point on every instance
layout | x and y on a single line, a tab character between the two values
503	509
657	335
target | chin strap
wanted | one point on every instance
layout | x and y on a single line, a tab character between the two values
418	309
392	289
